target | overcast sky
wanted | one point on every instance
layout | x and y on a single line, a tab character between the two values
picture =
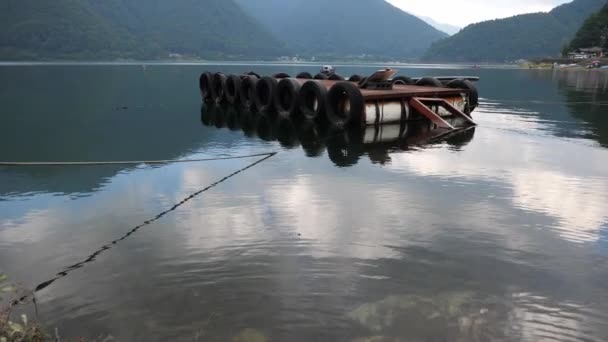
464	12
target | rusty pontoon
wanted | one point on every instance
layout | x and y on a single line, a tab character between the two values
381	98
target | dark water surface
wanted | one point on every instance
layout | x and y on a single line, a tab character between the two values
496	234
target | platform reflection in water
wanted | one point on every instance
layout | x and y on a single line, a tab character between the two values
344	147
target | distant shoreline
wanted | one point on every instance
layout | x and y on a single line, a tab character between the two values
261	63
144	63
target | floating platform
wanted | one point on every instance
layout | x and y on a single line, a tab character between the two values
447	102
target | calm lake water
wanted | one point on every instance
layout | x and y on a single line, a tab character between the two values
496	234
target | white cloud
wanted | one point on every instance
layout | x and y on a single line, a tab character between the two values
551	187
464	12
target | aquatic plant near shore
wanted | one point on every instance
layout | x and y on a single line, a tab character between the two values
250	335
22	331
428	317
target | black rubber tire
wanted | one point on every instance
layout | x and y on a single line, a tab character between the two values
461	139
220	116
355	78
265	128
205	85
232	89
248	122
336	77
281	75
265	94
251	73
473	101
232	118
287	133
345	105
402	80
247	89
219	80
321	77
429	82
312	138
312	99
287	100
341	151
208	114
304	75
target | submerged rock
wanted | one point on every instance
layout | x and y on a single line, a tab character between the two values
377	339
453	314
380	315
250	335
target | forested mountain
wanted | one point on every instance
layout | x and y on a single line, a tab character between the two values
344	27
523	36
594	31
194	27
31	29
239	29
102	29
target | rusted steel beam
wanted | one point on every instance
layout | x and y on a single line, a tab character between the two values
451	78
400	91
450	108
429	114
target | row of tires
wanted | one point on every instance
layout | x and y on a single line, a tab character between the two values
341	103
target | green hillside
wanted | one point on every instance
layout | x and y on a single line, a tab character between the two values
137	29
36	29
208	28
524	36
594	31
344	27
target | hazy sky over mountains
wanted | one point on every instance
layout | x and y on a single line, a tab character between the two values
464	12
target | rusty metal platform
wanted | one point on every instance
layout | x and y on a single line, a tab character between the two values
372	100
400	91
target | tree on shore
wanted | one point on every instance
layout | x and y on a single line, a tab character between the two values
594	32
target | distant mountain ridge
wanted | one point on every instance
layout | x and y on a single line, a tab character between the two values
344	27
266	29
524	36
447	28
137	29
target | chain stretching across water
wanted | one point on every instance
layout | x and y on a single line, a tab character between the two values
113	243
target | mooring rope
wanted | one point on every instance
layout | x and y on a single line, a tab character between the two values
127	162
91	258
